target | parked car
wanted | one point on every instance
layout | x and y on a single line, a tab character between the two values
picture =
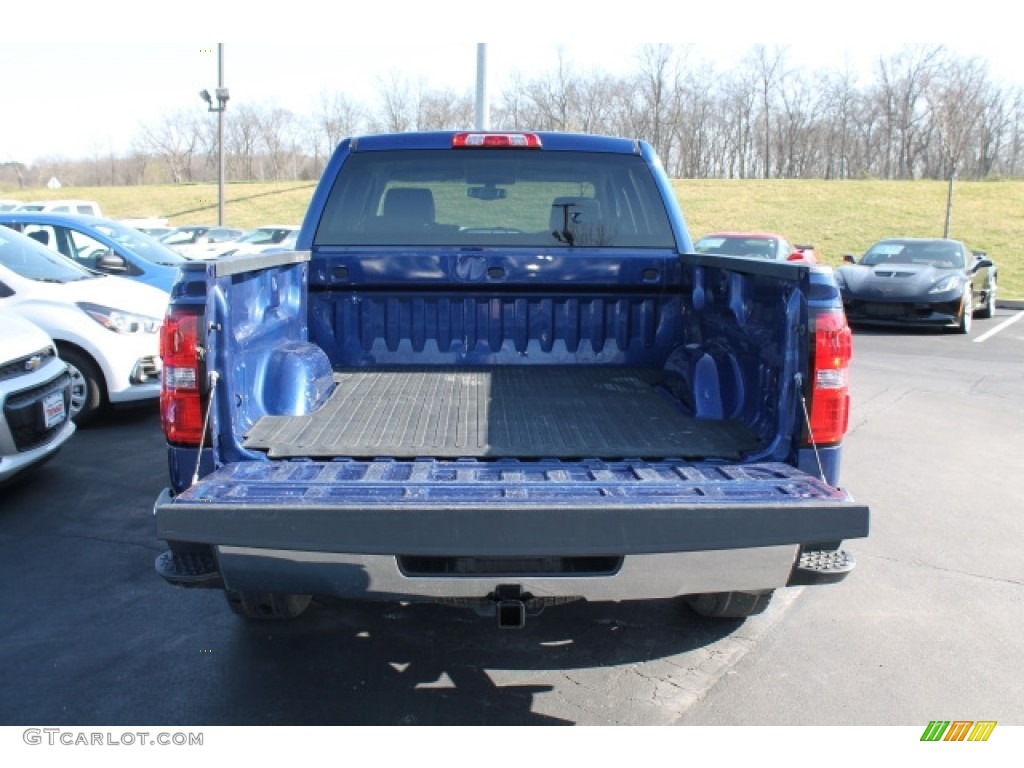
259	239
35	397
9	205
918	281
87	207
106	328
155	232
755	245
154	227
200	241
101	245
288	244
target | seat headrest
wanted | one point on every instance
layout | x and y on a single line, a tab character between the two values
411	205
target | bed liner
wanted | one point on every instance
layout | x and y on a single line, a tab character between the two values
500	412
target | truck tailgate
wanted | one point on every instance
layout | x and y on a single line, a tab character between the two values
508	508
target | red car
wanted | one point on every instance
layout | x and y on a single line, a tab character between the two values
755	245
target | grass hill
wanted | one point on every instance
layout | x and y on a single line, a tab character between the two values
837	217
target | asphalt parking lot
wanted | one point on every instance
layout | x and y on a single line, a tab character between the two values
929	623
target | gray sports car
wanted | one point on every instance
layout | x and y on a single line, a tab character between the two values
917	281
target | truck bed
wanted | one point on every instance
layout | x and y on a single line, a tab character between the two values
563	412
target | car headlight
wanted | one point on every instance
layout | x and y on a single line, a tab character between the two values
945	284
118	321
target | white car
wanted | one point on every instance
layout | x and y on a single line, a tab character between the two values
88	207
198	241
35	397
260	239
106	328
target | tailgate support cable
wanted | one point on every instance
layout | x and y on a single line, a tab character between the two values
214	376
810	431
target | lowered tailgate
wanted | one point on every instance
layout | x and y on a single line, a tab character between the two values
508	509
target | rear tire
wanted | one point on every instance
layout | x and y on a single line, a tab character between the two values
729	605
267	606
88	397
989	310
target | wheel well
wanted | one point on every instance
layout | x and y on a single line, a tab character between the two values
62	345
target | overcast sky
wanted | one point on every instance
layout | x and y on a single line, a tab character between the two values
98	74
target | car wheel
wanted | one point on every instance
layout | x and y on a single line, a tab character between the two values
989	310
729	605
267	605
966	312
87	386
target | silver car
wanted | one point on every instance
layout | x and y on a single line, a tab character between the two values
35	397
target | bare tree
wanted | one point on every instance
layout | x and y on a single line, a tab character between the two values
696	125
444	110
336	117
903	80
135	168
12	172
957	97
510	112
398	106
769	69
173	139
837	108
656	91
921	113
241	143
738	108
277	132
796	137
1014	150
206	149
551	101
600	96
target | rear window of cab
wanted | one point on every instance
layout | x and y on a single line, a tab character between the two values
508	197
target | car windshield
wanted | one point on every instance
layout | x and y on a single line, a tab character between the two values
510	197
942	254
181	236
33	261
731	245
139	243
267	236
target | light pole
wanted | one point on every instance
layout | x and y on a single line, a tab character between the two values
483	110
222	104
949	199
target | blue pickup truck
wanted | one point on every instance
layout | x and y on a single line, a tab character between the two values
495	374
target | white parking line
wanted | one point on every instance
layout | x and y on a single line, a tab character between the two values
1001	327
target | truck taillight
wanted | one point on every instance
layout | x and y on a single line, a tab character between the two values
830	383
181	410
